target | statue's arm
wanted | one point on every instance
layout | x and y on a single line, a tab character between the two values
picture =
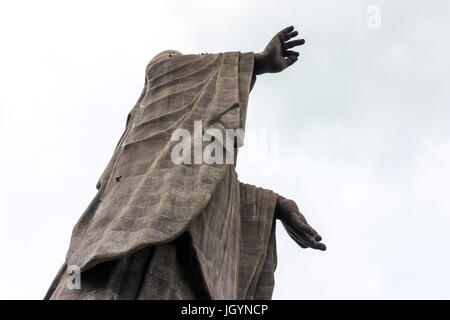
296	225
276	56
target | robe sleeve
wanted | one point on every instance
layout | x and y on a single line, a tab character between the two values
258	258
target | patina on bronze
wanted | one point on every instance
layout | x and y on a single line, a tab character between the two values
160	230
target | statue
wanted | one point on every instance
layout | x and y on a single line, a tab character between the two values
161	228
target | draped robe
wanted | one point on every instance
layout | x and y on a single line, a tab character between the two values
160	230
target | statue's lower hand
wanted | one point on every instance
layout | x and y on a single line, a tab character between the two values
296	226
276	57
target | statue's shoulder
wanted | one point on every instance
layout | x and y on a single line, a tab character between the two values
160	66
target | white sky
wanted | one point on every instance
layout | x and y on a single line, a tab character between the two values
363	120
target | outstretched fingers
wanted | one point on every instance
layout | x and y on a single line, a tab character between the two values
283	34
291	35
300	240
305	228
317	245
309	236
288	53
294	43
305	241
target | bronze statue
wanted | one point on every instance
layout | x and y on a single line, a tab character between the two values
164	229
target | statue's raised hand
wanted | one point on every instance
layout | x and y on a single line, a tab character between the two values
296	226
276	56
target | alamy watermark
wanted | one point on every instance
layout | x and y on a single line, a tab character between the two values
214	146
373	21
74	277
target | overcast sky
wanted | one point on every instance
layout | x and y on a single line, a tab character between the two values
363	121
